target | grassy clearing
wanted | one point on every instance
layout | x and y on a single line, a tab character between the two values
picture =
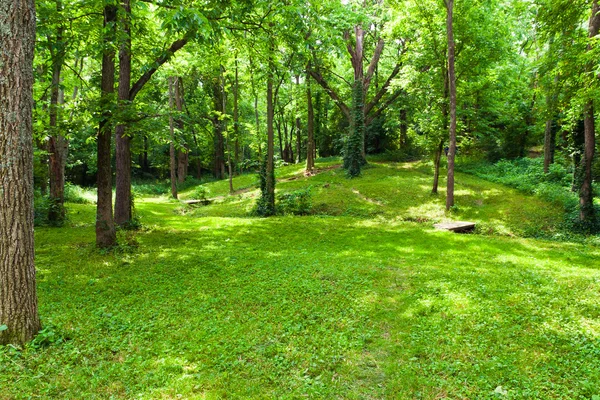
358	301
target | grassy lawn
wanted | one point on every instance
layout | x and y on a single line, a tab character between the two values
362	300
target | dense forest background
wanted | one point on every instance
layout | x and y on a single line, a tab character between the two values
175	90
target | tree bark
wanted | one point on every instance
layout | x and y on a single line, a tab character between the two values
105	228
452	90
310	127
586	194
123	200
19	321
172	161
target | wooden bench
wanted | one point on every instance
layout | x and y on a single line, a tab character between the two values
455	226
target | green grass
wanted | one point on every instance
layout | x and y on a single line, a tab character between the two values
357	301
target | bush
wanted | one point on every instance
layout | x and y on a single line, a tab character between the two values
298	202
200	193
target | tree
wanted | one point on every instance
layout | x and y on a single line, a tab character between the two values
452	93
586	194
19	321
173	93
362	112
106	235
57	143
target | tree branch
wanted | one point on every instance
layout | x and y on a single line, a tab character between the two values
373	64
321	81
377	113
166	56
383	89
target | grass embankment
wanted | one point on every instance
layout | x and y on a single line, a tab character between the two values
358	301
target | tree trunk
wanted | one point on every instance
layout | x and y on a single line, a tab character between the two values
123	200
172	163
586	194
236	116
105	228
310	127
270	170
298	127
57	144
452	87
219	141
436	166
182	156
19	321
578	137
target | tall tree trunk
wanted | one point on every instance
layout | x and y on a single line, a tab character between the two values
310	127
172	161
578	137
452	87
270	170
19	319
236	116
182	156
298	126
123	200
281	154
57	144
105	229
586	194
436	166
219	141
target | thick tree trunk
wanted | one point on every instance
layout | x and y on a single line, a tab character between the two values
172	161
452	87
123	200
19	321
586	194
105	228
310	127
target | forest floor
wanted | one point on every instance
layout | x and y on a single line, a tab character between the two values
363	299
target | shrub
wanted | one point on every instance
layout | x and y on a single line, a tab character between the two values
199	193
298	202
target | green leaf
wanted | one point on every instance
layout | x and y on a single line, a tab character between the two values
3	328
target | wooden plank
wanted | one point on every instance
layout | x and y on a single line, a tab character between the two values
203	202
455	226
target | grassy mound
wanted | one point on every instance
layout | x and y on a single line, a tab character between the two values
362	299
